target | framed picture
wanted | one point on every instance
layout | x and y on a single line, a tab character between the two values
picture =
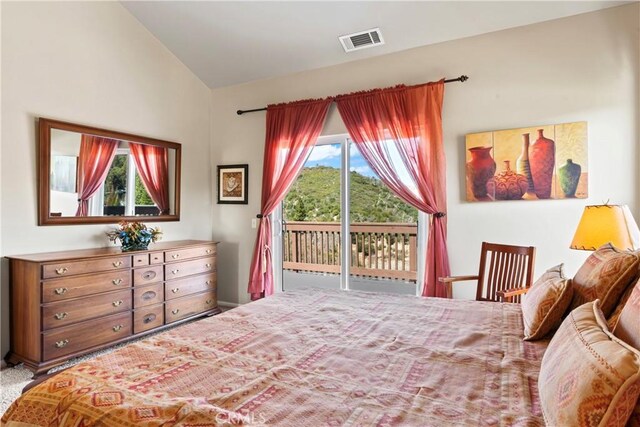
64	174
546	162
233	184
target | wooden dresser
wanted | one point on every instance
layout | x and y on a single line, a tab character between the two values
65	304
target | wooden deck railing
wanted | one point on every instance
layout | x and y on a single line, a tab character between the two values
382	250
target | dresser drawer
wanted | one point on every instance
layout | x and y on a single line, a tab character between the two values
63	313
148	275
149	317
78	286
140	260
192	285
64	341
188	268
189	253
156	258
147	295
188	306
70	268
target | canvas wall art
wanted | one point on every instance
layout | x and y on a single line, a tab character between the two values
533	163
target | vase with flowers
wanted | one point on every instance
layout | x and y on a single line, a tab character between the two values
134	235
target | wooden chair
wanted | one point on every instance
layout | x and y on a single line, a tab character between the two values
506	272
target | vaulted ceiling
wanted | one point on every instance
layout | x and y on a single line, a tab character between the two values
226	43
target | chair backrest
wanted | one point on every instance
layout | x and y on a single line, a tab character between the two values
504	267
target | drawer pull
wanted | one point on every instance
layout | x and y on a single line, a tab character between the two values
140	260
208	301
208	282
175	256
149	275
60	344
116	281
117	328
175	290
60	316
149	295
117	263
175	311
61	271
208	251
60	291
149	318
117	303
175	271
208	265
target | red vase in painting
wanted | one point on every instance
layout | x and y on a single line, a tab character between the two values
480	169
542	158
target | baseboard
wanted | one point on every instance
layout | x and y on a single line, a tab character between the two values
228	304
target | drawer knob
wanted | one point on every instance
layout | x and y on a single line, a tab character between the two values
61	271
149	275
60	316
208	301
117	328
175	256
208	265
149	295
140	260
208	251
117	303
175	290
60	344
175	271
149	318
208	282
60	291
117	263
116	281
175	311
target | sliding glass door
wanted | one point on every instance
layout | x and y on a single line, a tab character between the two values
342	228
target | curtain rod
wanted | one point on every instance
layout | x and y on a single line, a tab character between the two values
462	78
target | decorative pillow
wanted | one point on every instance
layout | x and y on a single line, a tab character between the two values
628	326
588	377
605	275
545	303
612	320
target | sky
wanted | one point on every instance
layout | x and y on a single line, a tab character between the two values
329	155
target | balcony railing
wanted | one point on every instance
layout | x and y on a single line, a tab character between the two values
380	250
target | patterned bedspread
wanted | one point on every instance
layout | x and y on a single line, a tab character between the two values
311	358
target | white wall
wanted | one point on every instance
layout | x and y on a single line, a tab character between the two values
92	63
578	68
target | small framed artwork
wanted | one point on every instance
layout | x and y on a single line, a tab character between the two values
233	184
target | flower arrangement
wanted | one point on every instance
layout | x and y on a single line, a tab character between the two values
134	236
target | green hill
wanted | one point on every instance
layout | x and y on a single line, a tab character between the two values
315	196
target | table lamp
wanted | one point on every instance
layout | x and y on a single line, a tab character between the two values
602	224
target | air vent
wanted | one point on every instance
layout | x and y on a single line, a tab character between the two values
361	40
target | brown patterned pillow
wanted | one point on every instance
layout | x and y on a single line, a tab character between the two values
612	320
605	275
545	303
588	377
628	326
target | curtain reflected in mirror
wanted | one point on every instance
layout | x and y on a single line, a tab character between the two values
95	176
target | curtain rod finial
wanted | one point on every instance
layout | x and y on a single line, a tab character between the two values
464	78
239	112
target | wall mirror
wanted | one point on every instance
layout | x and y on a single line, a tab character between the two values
88	175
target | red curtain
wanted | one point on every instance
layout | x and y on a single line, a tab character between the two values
406	123
292	131
95	158
152	163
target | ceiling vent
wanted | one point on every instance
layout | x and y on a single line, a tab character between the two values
361	40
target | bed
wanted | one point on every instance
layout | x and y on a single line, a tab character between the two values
310	358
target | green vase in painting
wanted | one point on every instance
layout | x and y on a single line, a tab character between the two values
569	176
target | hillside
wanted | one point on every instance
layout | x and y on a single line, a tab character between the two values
315	196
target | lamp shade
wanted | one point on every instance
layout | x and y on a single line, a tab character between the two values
602	224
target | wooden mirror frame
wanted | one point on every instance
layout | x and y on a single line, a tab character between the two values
43	156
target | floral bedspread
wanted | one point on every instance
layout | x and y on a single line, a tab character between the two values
309	358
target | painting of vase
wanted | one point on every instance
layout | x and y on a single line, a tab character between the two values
480	169
550	160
